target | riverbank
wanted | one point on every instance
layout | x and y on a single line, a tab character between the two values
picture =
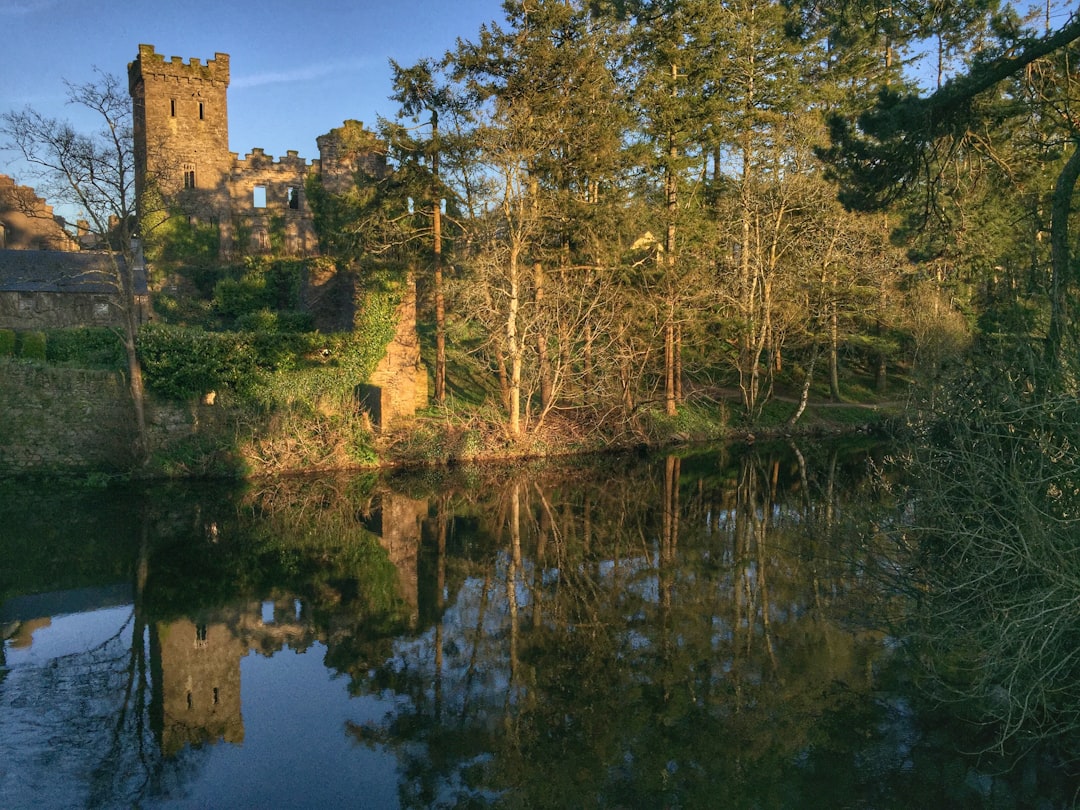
76	422
436	439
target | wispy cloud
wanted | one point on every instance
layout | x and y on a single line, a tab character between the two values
20	8
304	73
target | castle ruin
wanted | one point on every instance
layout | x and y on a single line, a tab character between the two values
183	166
183	163
27	222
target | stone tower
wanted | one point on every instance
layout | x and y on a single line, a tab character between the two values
181	128
348	151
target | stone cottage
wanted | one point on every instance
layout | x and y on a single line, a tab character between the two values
56	289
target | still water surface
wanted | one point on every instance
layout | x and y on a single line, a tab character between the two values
713	629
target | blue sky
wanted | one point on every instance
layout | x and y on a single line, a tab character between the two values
298	69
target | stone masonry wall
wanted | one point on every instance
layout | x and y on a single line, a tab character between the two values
54	419
398	386
74	420
45	310
27	221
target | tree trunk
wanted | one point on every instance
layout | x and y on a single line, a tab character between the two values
587	358
669	367
804	397
1061	259
542	359
671	194
138	396
678	365
440	305
126	283
436	249
514	349
834	351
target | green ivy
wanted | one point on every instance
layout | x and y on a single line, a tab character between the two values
7	342
373	326
177	238
263	285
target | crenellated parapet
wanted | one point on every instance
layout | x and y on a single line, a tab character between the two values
149	63
258	160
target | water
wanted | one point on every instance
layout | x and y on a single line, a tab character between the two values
722	628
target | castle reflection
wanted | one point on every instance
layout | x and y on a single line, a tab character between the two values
195	658
197	675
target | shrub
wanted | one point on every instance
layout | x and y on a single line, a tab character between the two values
184	363
89	347
262	320
32	345
7	342
262	287
995	519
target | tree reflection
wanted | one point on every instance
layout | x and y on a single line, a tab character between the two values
672	637
691	630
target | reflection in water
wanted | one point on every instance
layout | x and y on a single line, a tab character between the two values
199	679
691	631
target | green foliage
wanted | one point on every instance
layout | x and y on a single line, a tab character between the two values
373	327
694	421
265	320
7	342
273	369
203	455
277	235
86	347
181	239
181	310
184	363
263	286
995	516
32	345
335	218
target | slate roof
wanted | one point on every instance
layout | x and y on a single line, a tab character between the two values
58	271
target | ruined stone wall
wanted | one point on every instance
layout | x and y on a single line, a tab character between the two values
27	222
281	202
348	151
399	385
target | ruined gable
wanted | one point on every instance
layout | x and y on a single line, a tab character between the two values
347	153
27	222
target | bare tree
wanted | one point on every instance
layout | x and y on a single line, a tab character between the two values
94	172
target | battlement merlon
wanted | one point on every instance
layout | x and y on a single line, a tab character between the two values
151	63
257	158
